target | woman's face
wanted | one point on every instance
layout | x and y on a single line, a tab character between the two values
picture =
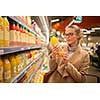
71	36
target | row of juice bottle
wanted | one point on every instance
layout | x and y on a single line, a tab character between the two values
25	19
26	77
14	34
11	65
39	76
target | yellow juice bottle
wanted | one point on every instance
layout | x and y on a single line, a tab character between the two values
6	32
1	32
13	65
1	70
18	62
54	40
22	61
7	69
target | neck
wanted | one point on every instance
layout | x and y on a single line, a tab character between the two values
74	44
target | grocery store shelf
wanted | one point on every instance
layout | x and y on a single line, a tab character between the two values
24	71
33	74
8	50
21	23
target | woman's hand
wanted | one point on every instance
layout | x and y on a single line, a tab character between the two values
59	54
55	51
65	58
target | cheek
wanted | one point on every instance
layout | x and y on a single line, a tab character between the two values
71	39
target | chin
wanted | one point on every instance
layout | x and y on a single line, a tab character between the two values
69	42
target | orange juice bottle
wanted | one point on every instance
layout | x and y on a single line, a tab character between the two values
13	65
6	32
7	69
1	70
1	32
12	34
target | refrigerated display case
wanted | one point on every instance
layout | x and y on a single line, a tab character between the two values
25	51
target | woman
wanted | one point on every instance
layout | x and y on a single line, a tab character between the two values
74	62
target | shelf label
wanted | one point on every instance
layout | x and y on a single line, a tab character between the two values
29	48
22	48
1	51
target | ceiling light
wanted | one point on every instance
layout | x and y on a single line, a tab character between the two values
55	20
91	31
96	28
84	30
58	33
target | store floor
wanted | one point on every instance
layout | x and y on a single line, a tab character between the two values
94	71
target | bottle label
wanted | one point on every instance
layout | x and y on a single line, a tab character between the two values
7	75
1	73
12	35
6	35
1	35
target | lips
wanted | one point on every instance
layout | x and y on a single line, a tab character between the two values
68	40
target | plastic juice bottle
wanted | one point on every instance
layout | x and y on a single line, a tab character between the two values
1	70
24	58
29	36
33	54
33	39
21	35
18	62
28	58
1	32
7	69
13	65
17	34
6	32
26	36
12	34
54	40
22	61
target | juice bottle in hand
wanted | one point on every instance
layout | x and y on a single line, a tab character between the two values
54	40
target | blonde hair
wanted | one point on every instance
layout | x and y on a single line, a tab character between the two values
77	30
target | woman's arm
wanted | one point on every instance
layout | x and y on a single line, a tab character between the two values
78	75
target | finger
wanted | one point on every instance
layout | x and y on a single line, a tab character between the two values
65	58
57	47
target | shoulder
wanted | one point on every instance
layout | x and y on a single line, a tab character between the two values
84	53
